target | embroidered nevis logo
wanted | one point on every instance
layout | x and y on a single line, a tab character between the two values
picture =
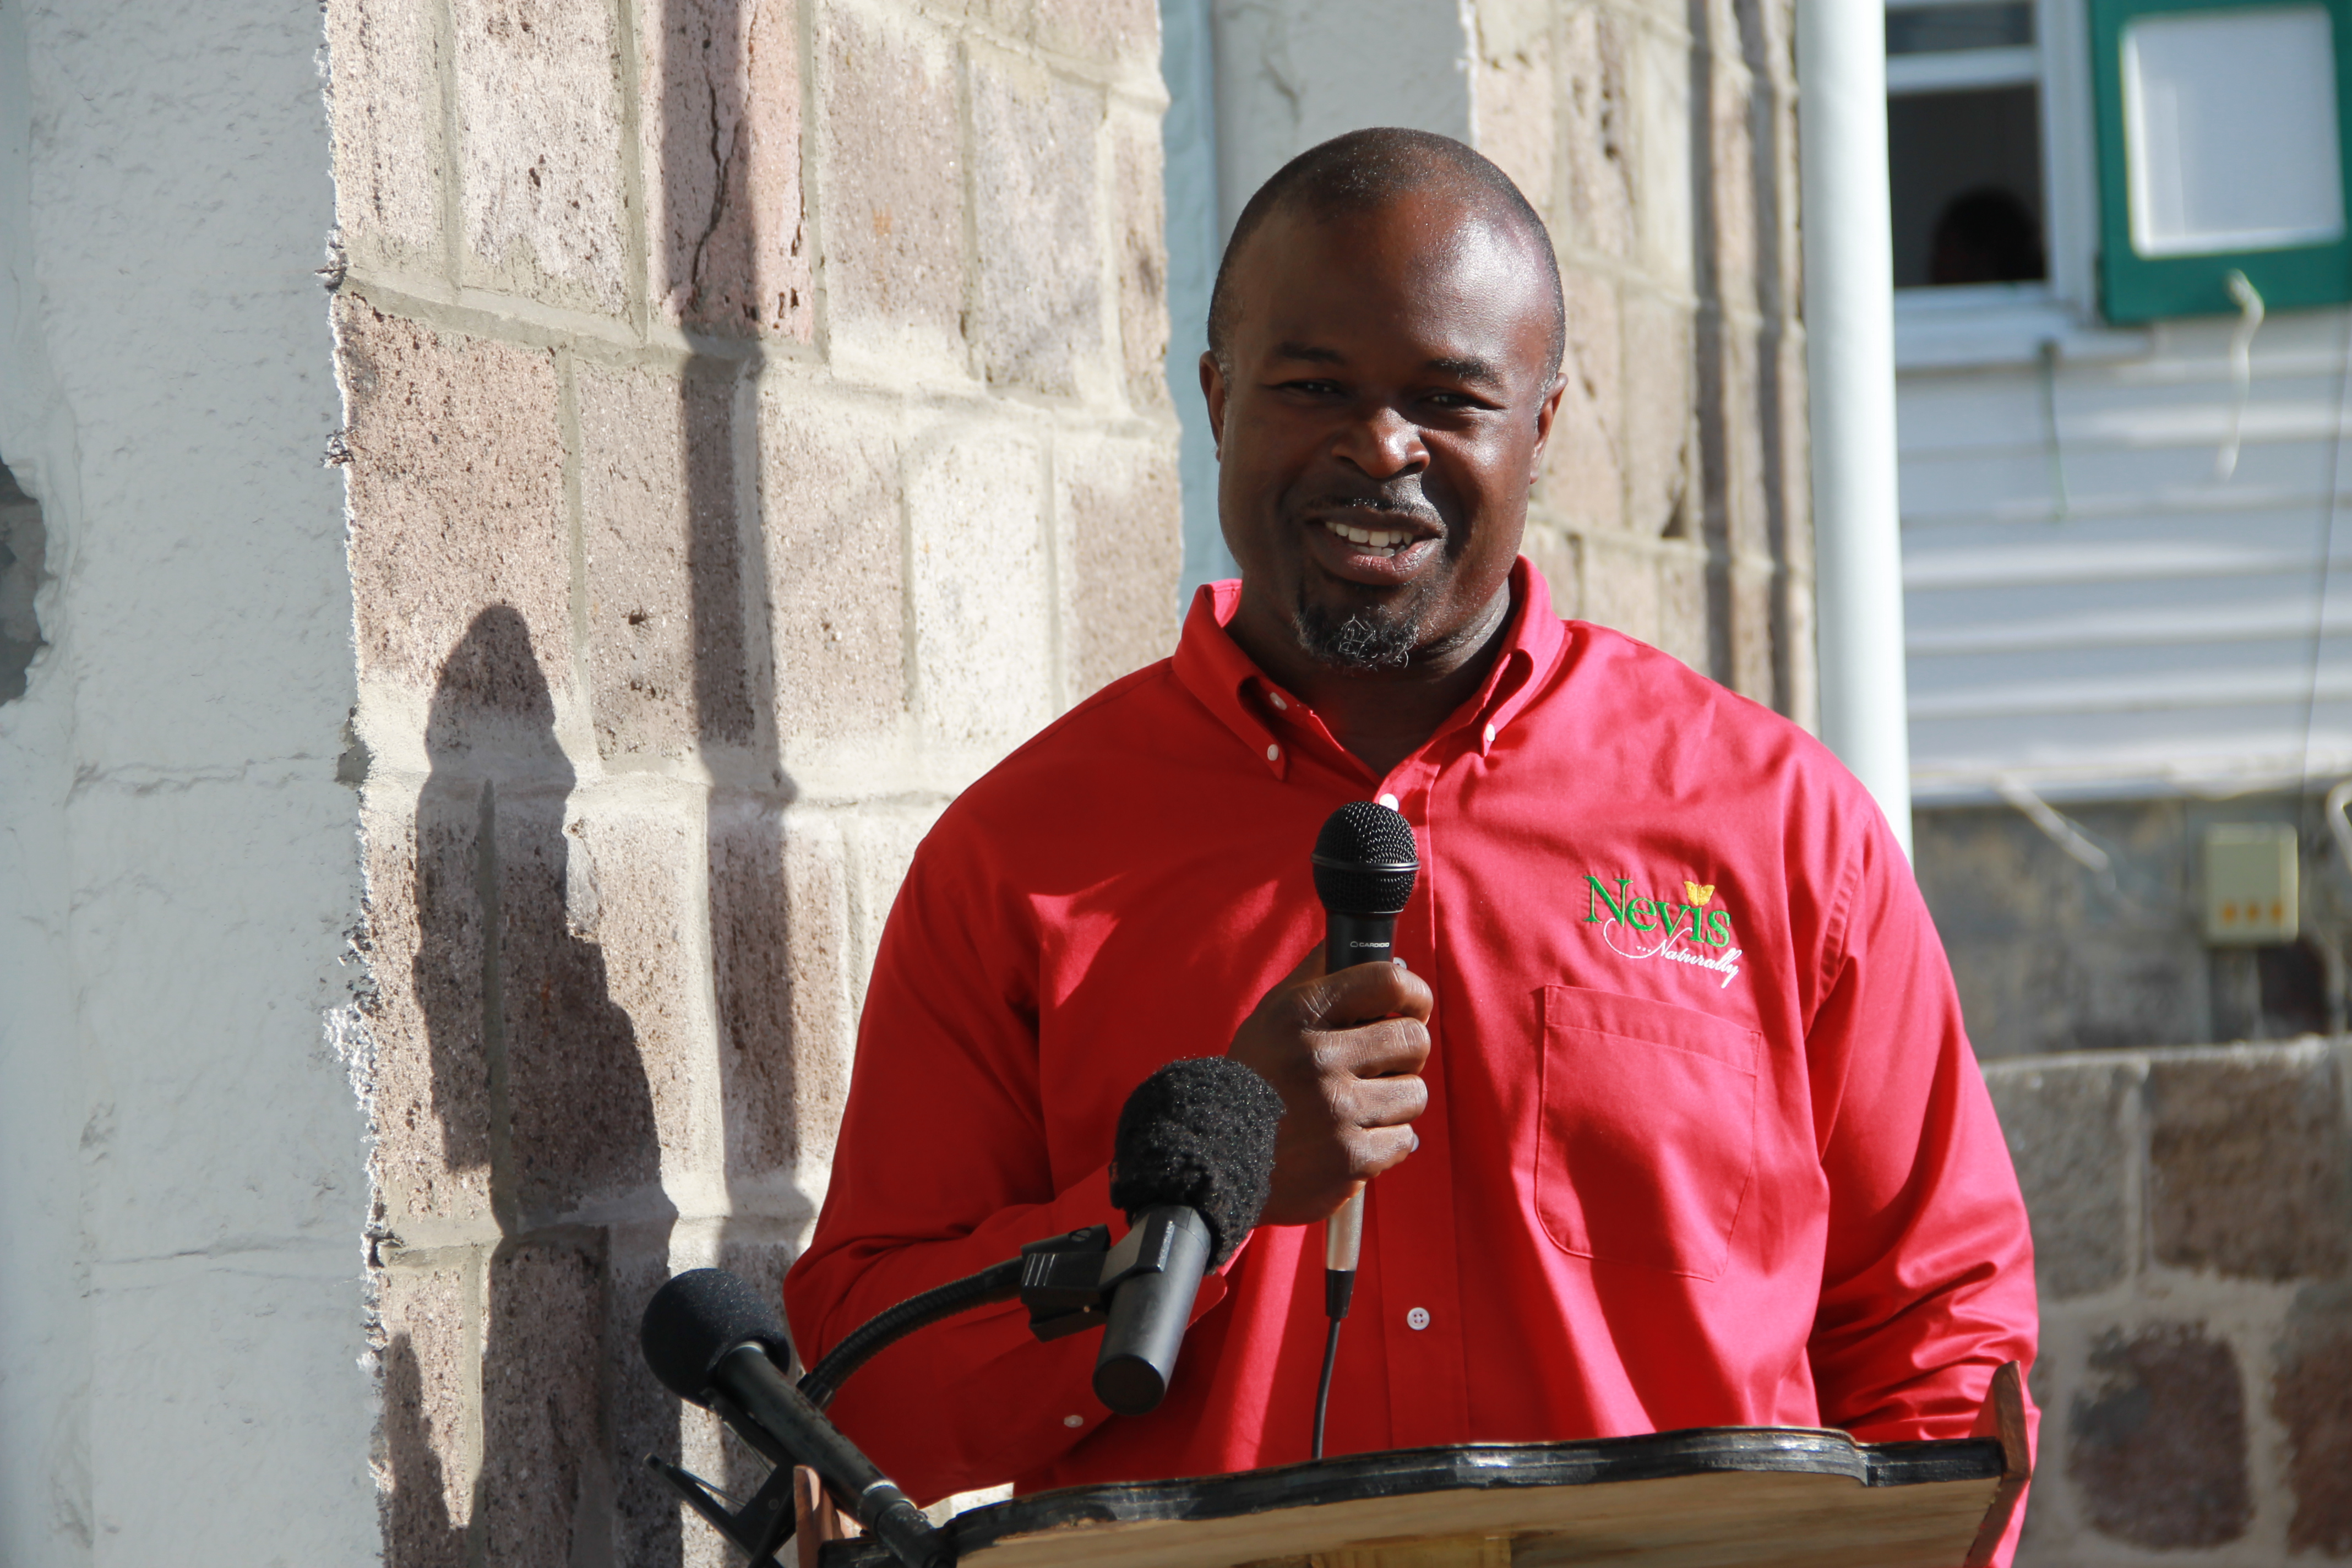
1642	925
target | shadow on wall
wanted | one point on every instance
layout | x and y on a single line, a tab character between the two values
23	544
537	1077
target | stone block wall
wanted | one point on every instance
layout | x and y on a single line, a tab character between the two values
1658	139
2192	1228
2053	954
755	425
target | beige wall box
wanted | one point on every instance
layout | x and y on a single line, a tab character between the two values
2250	884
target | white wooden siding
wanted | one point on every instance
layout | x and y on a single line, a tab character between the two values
2163	632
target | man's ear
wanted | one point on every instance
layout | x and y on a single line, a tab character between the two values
1546	412
1212	388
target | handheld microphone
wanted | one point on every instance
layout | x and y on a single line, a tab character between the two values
1192	1164
714	1340
1365	867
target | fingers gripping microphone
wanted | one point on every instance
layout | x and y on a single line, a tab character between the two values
714	1340
1192	1164
1365	867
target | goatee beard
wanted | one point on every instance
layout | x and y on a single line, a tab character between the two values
1361	642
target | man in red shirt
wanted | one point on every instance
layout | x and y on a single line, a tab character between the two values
1669	1118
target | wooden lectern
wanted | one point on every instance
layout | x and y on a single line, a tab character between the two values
1749	1497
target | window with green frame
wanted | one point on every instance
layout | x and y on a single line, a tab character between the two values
2222	147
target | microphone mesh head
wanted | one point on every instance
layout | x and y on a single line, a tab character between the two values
1200	1132
695	1319
1365	862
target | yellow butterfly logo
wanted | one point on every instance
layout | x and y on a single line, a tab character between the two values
1699	895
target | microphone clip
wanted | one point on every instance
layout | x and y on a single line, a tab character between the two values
1066	1281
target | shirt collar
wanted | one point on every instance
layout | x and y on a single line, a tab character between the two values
1214	668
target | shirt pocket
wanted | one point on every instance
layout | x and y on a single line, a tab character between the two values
1645	1131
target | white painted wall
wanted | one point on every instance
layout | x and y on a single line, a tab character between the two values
2091	607
182	1189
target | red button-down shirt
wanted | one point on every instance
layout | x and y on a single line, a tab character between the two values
1706	1144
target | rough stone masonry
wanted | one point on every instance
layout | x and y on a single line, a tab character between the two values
756	424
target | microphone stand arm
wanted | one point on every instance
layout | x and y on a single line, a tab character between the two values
1066	1281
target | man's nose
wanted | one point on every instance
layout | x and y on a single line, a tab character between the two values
1382	443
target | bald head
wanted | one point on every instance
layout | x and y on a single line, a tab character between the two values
1365	172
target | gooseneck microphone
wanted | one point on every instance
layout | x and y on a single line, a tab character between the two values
1365	867
1192	1165
713	1341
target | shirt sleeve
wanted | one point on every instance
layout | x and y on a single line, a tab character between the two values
1927	1279
944	1168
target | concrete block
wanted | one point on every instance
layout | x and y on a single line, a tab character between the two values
1596	83
831	501
2312	1397
2064	1125
1733	239
1517	106
1753	672
2157	1439
432	1083
1584	477
719	127
630	900
1108	32
1660	406
1139	228
666	663
1034	138
1732	451
1660	61
431	1441
650	1524
891	171
983	636
1686	618
1118	512
1622	589
456	503
780	941
539	114
579	1083
2250	1163
1558	553
546	1477
389	161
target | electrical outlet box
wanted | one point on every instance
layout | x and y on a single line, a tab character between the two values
2250	888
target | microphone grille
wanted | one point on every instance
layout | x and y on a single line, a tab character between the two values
1365	862
1200	1131
693	1321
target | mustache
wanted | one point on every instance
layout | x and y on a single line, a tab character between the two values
1400	497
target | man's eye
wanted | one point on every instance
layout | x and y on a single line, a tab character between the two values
1314	389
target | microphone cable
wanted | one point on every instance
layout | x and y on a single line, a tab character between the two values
1343	1239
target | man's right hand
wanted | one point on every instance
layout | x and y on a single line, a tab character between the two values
1345	1053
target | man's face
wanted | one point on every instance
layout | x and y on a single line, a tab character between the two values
1389	395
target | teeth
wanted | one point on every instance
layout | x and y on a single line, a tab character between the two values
1386	541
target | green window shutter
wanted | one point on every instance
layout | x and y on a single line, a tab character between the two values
2180	204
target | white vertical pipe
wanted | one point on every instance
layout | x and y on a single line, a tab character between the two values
1850	360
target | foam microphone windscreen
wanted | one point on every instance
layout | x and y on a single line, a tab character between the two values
693	1321
1365	861
1199	1132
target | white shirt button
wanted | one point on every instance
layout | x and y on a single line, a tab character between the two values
1389	801
1074	1420
1274	753
1490	734
1279	705
1418	1319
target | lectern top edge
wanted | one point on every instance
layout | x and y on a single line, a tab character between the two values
1474	1466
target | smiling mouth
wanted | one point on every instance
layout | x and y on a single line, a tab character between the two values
1383	540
